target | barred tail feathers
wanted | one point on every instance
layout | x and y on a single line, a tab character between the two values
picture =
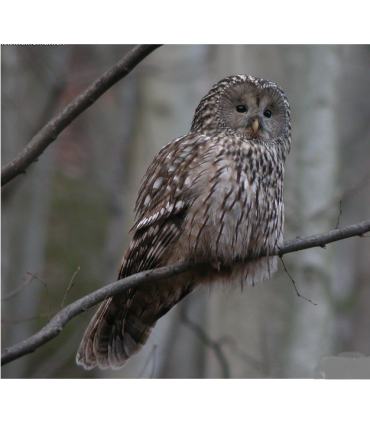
122	324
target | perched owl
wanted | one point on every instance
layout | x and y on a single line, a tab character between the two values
214	195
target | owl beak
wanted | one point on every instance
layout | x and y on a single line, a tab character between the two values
255	125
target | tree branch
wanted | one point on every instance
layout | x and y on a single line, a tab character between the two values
55	126
326	238
56	324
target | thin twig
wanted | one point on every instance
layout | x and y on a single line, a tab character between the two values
358	185
247	358
57	323
55	126
340	212
71	284
47	291
216	346
295	287
18	290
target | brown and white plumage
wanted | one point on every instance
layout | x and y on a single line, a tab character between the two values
213	195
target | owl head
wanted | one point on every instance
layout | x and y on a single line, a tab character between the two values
251	108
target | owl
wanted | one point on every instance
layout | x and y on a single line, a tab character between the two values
214	195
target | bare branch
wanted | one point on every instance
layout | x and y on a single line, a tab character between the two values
56	324
54	127
326	238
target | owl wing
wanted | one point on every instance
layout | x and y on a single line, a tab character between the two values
163	201
123	323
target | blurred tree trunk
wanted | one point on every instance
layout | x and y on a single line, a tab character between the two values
315	71
24	227
351	288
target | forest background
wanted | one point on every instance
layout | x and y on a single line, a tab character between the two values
73	208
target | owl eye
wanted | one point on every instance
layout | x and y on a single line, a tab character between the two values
267	113
241	109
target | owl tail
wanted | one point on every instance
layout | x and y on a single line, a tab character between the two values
123	323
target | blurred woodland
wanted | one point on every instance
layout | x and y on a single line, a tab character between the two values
72	210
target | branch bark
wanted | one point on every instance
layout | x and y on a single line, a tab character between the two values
54	127
56	324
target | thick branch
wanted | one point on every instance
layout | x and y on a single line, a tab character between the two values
56	324
52	129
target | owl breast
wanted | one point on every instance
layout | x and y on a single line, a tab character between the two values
238	210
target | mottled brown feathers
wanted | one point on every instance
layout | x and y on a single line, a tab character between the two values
215	194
